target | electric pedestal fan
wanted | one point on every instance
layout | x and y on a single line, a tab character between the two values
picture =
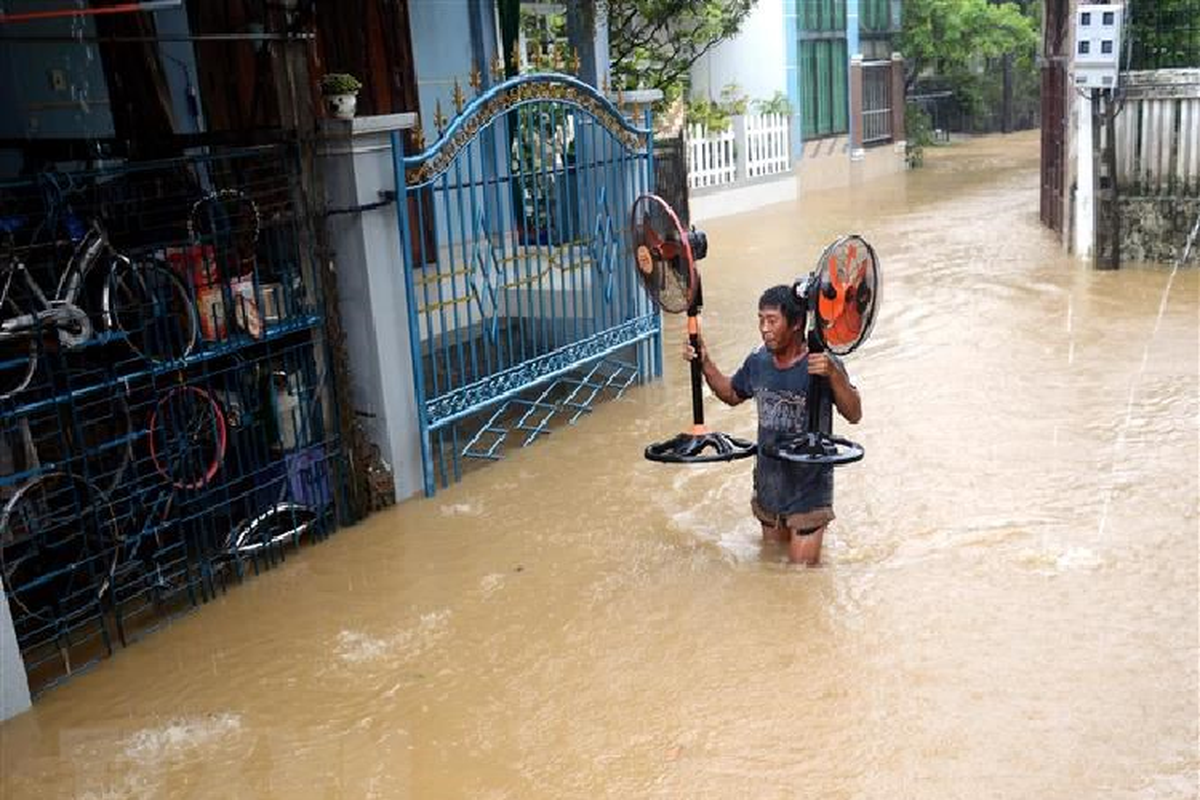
666	264
843	297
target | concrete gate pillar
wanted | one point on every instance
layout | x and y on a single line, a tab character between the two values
357	168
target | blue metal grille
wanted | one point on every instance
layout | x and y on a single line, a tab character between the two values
521	302
165	417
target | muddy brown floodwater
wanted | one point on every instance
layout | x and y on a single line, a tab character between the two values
1008	606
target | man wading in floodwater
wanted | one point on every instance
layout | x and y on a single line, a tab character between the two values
793	501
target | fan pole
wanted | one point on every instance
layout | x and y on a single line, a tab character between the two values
817	385
697	375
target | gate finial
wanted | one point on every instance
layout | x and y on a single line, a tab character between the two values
439	119
498	68
515	61
476	80
418	135
458	97
576	64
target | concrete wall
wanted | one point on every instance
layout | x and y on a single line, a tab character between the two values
826	163
14	688
449	37
34	105
1155	228
755	59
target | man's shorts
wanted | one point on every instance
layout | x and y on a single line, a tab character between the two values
801	524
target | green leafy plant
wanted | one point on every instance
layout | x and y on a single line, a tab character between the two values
918	134
716	115
654	43
340	83
778	104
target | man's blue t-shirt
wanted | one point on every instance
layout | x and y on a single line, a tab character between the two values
784	487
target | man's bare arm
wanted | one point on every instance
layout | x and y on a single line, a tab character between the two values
720	383
845	395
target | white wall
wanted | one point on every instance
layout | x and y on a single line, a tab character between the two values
755	59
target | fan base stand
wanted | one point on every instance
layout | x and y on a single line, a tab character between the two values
817	449
700	448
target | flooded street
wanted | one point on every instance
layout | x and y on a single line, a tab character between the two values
1007	609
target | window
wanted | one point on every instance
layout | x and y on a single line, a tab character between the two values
875	15
822	15
822	69
1106	47
1085	18
823	87
1085	47
1109	18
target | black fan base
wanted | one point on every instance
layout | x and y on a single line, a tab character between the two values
815	448
702	448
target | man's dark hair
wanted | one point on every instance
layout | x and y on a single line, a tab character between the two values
781	297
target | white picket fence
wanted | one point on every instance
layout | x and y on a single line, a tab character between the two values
767	145
753	146
1158	132
711	157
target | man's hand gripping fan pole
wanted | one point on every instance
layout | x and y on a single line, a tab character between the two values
842	296
666	264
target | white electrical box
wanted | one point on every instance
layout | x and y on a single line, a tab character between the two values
1097	56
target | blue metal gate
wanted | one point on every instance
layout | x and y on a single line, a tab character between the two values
523	310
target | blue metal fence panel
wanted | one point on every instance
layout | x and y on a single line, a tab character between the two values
166	419
515	239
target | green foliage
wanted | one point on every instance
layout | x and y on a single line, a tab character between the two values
715	115
546	42
918	134
778	104
654	43
1165	34
339	83
955	37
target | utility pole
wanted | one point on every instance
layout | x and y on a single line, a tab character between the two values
1106	254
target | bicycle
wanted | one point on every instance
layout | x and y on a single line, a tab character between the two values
145	304
63	548
67	552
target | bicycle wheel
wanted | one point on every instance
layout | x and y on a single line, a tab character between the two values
103	429
228	221
18	350
58	549
18	356
276	525
187	437
149	304
89	437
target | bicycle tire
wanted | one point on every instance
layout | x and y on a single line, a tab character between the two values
107	477
48	562
280	522
126	299
18	355
90	437
221	200
18	358
163	425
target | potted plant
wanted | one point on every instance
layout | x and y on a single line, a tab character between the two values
340	90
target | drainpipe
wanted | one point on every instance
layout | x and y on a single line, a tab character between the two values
854	95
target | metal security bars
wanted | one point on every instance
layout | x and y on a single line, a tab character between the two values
165	417
877	102
523	307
